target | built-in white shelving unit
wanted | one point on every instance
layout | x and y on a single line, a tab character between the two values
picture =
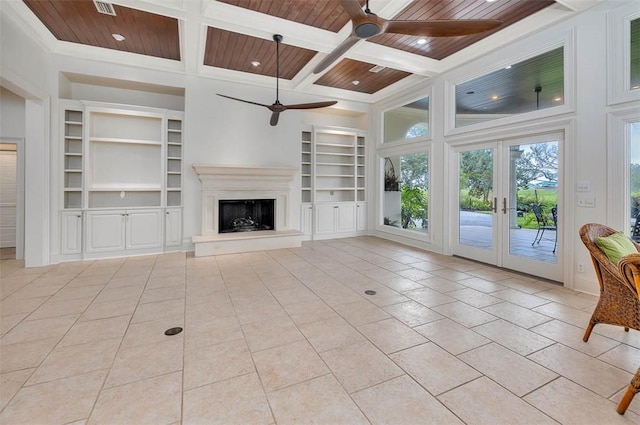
122	179
333	182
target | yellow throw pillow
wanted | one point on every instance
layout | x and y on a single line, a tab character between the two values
615	246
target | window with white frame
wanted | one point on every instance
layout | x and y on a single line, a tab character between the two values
405	201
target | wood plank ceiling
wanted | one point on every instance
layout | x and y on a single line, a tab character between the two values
78	21
146	33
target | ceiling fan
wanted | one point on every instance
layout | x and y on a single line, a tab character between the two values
367	24
278	107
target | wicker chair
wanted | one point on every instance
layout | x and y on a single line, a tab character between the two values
619	303
629	268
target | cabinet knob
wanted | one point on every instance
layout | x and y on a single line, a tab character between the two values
79	216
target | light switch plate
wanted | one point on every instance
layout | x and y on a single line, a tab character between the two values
583	186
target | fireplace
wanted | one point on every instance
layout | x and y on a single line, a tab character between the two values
257	199
246	215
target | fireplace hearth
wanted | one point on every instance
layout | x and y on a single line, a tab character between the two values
246	215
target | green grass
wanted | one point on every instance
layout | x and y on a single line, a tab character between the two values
547	198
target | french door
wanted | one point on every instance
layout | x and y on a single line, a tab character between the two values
498	184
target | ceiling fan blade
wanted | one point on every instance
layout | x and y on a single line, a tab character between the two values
274	118
353	8
312	105
336	53
441	27
245	101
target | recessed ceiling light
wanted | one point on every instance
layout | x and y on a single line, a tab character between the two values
355	82
494	97
118	37
490	1
507	67
255	64
421	41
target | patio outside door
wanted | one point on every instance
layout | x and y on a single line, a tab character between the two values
497	185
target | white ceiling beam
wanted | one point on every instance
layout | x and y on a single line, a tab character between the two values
192	39
394	58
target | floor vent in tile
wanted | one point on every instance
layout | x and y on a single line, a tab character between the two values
173	331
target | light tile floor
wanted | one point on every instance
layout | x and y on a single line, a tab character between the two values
289	336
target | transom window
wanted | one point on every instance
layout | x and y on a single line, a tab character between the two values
535	83
407	122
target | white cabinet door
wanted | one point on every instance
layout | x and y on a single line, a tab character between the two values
144	229
346	218
71	232
361	216
325	218
306	215
105	231
173	227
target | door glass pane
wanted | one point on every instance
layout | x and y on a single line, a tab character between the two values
475	198
406	192
533	201
634	178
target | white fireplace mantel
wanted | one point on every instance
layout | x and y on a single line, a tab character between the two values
229	182
230	177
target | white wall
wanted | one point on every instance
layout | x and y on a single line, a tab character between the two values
12	120
24	62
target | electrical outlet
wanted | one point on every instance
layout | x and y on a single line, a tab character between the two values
580	268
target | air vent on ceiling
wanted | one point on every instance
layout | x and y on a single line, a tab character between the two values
377	69
105	8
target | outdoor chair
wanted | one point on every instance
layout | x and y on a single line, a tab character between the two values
544	224
618	303
629	267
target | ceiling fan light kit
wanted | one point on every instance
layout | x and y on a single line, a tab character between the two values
276	108
367	24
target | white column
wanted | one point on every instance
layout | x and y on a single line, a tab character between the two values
37	194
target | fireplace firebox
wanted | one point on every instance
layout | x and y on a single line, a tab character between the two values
246	215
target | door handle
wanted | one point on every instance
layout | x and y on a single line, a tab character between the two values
504	206
495	205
